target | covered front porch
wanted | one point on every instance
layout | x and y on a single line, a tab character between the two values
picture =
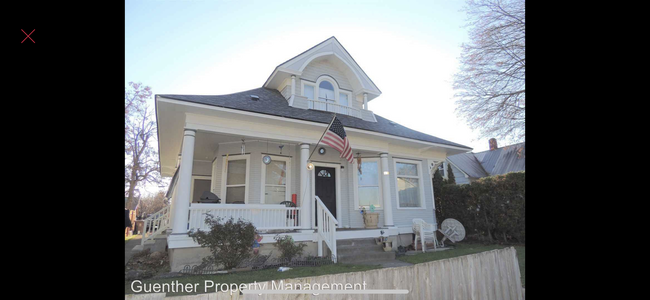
283	195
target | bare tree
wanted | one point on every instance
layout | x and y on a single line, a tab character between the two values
141	154
490	86
135	96
152	204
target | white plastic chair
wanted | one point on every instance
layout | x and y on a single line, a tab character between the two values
424	232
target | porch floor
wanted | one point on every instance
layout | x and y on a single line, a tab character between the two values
356	229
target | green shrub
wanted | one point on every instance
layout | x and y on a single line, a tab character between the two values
229	242
492	207
288	249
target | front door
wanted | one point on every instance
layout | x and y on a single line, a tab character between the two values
325	188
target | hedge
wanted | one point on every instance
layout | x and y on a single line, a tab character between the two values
491	207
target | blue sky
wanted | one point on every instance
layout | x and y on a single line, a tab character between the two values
410	49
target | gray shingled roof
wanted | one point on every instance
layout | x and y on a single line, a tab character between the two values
271	102
500	161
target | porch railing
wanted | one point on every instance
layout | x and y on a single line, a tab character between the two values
155	224
263	216
334	107
326	228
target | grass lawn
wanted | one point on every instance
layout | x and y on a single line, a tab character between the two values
254	276
465	249
126	239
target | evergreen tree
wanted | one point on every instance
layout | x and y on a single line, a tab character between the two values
438	181
451	179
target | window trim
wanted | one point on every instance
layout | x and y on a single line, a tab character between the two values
287	178
418	163
302	88
195	177
355	183
332	81
349	97
224	175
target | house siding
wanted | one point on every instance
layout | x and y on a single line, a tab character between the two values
349	216
404	217
316	69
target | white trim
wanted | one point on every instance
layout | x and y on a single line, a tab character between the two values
287	177
420	177
337	169
313	123
224	175
332	81
349	94
194	177
302	88
355	182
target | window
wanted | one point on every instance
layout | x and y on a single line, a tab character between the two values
308	91
367	186
326	91
324	173
343	99
276	178
235	179
410	191
441	169
200	184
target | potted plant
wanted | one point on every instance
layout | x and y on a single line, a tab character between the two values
370	219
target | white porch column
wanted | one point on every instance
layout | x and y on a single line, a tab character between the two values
293	85
182	202
305	196
365	101
385	177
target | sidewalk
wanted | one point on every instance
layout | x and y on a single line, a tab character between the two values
128	246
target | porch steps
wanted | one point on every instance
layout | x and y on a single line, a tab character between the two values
361	250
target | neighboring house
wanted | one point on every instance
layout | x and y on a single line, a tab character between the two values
468	167
217	144
132	209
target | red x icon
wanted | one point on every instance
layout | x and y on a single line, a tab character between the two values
28	36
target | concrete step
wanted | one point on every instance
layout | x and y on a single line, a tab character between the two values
361	250
356	242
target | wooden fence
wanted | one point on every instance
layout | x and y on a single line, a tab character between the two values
486	275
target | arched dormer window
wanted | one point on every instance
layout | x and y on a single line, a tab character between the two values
326	91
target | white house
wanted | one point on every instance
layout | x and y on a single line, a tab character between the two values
217	143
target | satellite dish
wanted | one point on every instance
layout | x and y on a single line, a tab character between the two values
452	230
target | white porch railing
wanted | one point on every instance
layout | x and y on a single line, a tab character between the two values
334	107
263	216
326	228
155	224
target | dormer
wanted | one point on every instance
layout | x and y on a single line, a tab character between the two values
326	78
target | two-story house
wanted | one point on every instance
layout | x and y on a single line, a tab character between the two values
253	149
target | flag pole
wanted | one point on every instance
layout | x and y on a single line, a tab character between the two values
321	137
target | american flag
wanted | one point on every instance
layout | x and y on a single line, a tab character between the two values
336	138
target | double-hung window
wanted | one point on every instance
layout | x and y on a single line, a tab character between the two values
410	191
234	182
367	184
276	179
